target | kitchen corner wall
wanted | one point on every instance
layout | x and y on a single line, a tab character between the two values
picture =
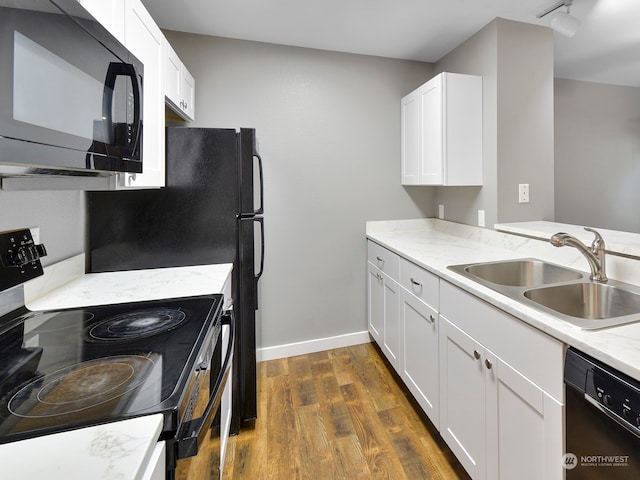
516	63
329	130
60	215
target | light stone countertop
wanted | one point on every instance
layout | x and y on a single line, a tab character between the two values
435	244
118	450
69	290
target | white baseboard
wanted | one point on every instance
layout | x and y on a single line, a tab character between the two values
312	346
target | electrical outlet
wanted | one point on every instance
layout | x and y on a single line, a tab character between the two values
523	193
481	218
441	212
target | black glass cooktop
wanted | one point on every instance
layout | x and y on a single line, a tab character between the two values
73	367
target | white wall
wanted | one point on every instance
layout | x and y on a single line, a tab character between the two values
329	131
59	214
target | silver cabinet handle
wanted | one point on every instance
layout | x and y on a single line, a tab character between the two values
432	319
476	354
380	259
488	363
418	284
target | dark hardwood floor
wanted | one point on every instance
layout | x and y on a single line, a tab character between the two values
338	414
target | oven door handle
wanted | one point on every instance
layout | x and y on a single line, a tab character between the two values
193	432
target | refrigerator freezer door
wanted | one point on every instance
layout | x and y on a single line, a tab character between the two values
251	174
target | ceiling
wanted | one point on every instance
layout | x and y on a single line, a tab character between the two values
606	48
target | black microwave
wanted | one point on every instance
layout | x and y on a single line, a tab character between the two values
70	93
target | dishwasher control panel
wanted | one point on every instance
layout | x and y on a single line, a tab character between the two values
607	388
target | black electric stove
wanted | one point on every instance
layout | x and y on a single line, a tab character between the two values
71	368
74	367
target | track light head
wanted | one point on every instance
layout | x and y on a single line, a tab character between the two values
562	22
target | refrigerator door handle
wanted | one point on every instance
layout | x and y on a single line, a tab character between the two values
260	220
260	209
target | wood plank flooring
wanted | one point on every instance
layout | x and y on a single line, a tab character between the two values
338	414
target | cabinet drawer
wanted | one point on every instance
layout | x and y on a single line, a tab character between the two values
423	284
384	259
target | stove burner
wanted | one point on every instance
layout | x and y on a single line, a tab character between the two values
81	386
138	324
51	321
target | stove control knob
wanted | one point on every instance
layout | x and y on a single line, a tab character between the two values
638	421
606	399
626	412
27	254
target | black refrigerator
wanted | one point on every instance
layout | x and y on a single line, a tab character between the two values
210	212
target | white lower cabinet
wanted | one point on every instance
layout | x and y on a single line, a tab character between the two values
524	427
156	468
491	384
375	303
463	398
497	420
419	365
383	313
383	301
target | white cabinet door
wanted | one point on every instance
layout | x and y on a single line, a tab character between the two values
179	88
172	74
144	39
463	398
383	313
432	160
188	94
524	426
375	303
420	362
391	345
411	138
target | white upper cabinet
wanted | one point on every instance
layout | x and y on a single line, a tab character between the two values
110	14
144	39
441	125
179	88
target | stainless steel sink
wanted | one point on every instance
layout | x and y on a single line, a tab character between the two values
590	304
562	292
521	273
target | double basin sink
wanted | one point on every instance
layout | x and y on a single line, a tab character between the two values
566	293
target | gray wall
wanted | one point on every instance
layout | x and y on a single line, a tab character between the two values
477	56
59	214
516	63
597	152
525	120
329	131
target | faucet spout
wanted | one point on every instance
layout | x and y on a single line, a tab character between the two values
595	254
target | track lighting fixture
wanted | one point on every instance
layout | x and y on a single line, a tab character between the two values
562	22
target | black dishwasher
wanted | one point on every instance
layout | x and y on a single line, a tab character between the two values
602	421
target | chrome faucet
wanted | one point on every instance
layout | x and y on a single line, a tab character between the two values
594	254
